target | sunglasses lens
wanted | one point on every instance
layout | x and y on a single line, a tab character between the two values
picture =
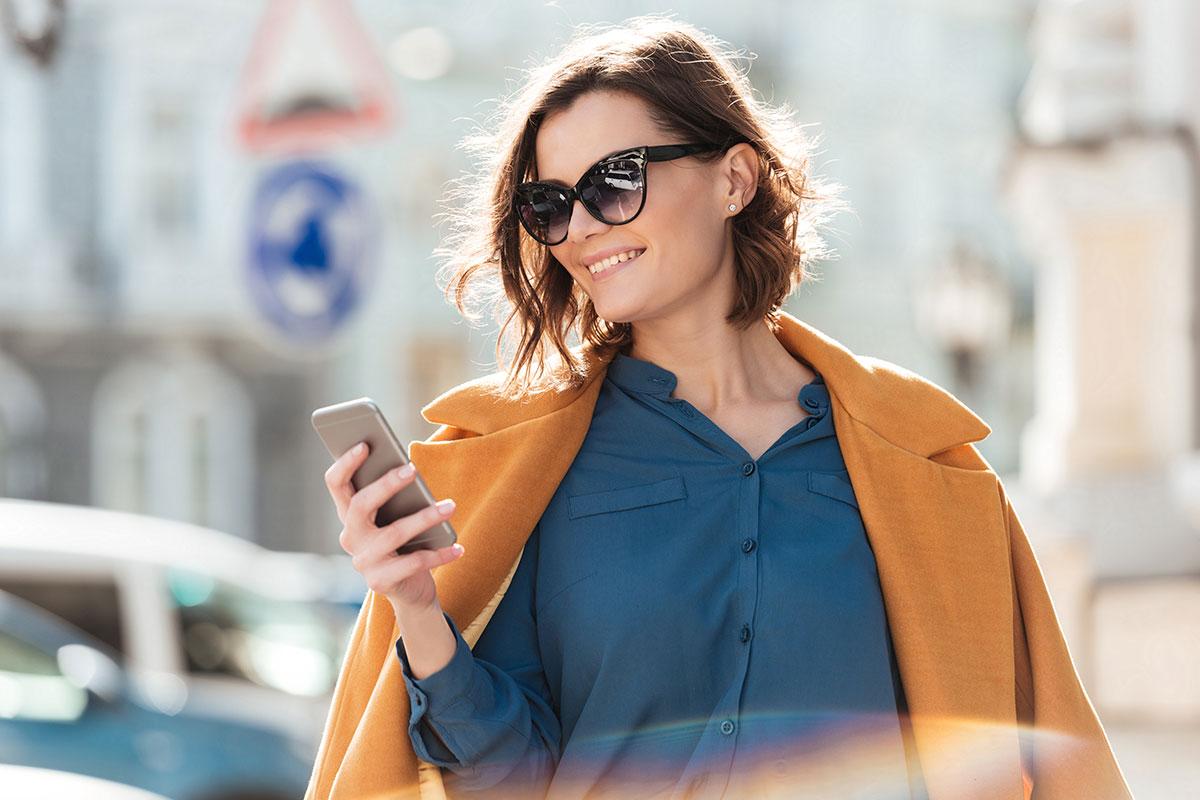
614	190
544	212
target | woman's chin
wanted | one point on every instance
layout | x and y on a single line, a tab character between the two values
615	314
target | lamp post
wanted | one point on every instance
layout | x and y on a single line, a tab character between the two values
966	309
35	26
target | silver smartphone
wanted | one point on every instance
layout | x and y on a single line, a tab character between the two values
343	425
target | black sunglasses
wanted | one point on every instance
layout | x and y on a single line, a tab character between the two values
613	190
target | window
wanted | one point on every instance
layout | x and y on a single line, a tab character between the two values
22	429
174	438
92	606
32	687
289	645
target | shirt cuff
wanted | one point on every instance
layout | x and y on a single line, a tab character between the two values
445	688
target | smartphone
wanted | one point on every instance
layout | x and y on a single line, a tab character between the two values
343	425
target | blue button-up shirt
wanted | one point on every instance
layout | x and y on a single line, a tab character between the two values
685	621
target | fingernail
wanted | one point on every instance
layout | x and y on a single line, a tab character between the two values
405	471
445	506
458	549
358	448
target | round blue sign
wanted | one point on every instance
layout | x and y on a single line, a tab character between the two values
310	240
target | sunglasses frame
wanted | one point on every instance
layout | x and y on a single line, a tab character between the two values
641	155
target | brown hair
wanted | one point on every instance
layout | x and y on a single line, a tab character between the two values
695	93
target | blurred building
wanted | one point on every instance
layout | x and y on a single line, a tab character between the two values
135	370
137	373
1105	186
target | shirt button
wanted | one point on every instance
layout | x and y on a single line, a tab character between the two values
747	545
745	635
748	468
727	727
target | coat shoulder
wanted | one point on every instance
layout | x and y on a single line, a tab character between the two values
912	410
482	406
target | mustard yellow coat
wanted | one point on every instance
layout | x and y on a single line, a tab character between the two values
995	702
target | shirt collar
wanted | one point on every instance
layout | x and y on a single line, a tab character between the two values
894	403
638	375
644	377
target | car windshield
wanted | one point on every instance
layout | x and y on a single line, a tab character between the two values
284	644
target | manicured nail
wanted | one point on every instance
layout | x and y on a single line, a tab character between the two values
445	506
406	470
358	448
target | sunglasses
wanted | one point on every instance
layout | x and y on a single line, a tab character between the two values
613	190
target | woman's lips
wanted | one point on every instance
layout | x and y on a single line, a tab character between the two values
608	273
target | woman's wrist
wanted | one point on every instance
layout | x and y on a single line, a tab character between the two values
426	638
409	614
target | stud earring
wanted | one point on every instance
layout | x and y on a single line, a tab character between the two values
732	207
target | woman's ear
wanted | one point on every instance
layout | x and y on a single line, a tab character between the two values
739	175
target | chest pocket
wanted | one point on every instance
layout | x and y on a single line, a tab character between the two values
610	500
832	484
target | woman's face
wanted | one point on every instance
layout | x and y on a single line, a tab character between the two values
687	261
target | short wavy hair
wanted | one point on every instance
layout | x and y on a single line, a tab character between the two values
691	84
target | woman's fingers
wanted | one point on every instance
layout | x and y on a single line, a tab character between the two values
390	537
367	500
386	577
337	477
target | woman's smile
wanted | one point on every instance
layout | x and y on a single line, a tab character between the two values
607	272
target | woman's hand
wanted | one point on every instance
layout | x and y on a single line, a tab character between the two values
406	579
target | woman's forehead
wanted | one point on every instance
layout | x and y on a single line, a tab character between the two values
594	126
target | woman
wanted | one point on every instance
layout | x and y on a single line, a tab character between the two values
713	553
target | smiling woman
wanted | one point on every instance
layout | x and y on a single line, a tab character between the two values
716	553
653	128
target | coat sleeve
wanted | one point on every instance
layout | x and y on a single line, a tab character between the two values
1065	752
356	756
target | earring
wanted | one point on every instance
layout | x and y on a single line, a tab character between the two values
732	207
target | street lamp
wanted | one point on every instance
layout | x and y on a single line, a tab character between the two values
965	308
35	26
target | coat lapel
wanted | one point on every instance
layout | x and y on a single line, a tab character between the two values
940	547
930	506
932	513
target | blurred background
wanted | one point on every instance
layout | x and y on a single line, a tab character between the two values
217	216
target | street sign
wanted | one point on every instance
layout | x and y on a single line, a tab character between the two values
312	235
313	79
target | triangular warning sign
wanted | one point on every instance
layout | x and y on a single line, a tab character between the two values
313	79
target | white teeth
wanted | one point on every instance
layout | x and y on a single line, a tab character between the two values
611	261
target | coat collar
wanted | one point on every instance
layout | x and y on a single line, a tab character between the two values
901	407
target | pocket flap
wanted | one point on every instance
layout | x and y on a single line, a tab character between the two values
831	484
647	494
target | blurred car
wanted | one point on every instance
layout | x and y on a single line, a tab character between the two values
66	704
252	634
33	783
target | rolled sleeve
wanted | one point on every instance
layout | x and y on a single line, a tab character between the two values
444	689
488	715
440	701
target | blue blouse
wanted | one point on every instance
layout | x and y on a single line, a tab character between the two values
684	619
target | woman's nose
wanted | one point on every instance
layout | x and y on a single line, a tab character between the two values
583	223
